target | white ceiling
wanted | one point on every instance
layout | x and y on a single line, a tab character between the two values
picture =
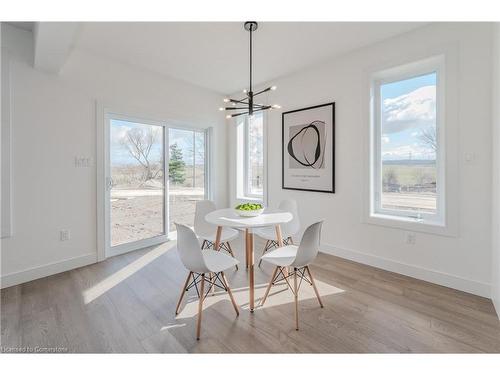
215	55
26	26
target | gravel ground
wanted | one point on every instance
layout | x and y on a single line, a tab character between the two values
137	217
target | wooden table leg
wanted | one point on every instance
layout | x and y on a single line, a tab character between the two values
216	248
279	236
217	238
249	251
246	248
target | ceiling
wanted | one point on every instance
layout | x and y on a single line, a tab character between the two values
27	26
214	55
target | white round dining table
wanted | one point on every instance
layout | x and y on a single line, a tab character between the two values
228	217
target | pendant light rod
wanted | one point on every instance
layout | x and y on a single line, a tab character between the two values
249	26
251	30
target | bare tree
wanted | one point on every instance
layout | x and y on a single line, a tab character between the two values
139	143
428	137
390	177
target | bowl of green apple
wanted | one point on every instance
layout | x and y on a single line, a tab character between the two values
249	209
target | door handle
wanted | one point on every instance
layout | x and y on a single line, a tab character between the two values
109	183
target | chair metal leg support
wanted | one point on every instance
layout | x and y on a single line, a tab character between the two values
266	248
281	274
230	250
184	289
314	286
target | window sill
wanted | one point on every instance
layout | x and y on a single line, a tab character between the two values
411	224
250	199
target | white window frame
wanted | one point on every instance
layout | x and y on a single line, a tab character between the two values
243	161
111	250
408	71
246	158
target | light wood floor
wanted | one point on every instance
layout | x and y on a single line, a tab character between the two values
127	303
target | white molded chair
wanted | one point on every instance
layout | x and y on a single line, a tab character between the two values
287	229
207	232
201	264
298	258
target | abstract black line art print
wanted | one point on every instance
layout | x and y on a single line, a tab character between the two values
308	149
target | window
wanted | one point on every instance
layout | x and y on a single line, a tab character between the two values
136	180
407	170
254	156
187	173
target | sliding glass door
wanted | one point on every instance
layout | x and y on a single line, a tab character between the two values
187	173
154	175
136	188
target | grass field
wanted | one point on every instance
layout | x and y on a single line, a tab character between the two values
409	174
409	185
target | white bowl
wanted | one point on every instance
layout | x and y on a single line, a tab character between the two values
251	213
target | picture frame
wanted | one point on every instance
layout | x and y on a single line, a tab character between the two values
308	149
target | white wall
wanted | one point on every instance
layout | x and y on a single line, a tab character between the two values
462	262
54	120
495	281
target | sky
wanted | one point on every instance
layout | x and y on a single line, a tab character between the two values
184	138
408	108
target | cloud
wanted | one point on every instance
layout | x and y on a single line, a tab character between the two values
414	110
385	139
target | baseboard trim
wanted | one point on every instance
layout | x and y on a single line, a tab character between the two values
436	277
49	269
496	305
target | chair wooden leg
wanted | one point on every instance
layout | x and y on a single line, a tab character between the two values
265	249
218	235
230	294
296	295
200	306
231	252
314	286
182	293
269	286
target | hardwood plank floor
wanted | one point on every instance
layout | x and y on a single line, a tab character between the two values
127	303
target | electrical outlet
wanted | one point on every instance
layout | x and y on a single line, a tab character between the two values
411	238
470	157
64	235
83	162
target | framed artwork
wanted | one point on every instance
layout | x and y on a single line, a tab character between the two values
308	149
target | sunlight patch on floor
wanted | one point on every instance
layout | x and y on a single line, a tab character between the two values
170	326
111	281
279	295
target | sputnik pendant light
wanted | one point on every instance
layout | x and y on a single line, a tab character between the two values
248	102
